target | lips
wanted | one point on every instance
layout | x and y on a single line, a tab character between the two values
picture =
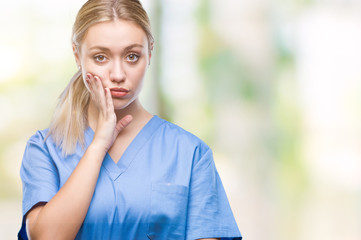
119	92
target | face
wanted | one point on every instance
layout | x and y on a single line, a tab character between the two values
118	53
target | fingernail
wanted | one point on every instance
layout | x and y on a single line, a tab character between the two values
129	118
88	75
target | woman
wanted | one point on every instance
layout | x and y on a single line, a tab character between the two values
108	169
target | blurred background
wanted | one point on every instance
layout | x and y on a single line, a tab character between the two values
272	86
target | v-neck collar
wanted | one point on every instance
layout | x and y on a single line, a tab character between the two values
116	169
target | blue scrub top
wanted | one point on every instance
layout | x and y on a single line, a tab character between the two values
165	186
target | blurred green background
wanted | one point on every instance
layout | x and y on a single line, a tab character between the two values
272	86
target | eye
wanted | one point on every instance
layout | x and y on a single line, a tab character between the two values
100	58
132	57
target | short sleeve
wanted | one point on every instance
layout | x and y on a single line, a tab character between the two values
209	212
38	173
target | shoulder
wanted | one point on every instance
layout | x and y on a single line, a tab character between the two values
40	143
179	137
41	138
175	131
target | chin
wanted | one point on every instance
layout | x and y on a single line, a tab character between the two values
121	105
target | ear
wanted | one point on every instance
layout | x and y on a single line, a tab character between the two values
76	54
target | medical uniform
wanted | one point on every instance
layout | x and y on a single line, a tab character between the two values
165	186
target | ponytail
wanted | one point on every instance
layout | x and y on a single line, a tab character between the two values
70	118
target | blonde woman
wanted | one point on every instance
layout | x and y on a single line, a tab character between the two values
108	169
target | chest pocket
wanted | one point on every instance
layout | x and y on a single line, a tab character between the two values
168	211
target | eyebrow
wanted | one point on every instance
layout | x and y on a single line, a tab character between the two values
125	49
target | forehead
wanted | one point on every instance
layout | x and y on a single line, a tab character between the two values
114	34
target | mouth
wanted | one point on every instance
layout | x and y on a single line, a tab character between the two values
119	92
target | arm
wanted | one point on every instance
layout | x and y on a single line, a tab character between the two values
63	215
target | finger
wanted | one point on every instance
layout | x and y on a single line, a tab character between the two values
91	83
99	86
100	92
109	101
86	82
123	123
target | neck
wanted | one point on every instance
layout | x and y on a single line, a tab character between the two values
139	114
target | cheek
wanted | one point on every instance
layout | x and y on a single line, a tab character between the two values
95	70
138	74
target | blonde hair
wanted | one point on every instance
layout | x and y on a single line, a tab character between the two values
70	118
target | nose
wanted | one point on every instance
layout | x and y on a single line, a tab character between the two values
117	73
